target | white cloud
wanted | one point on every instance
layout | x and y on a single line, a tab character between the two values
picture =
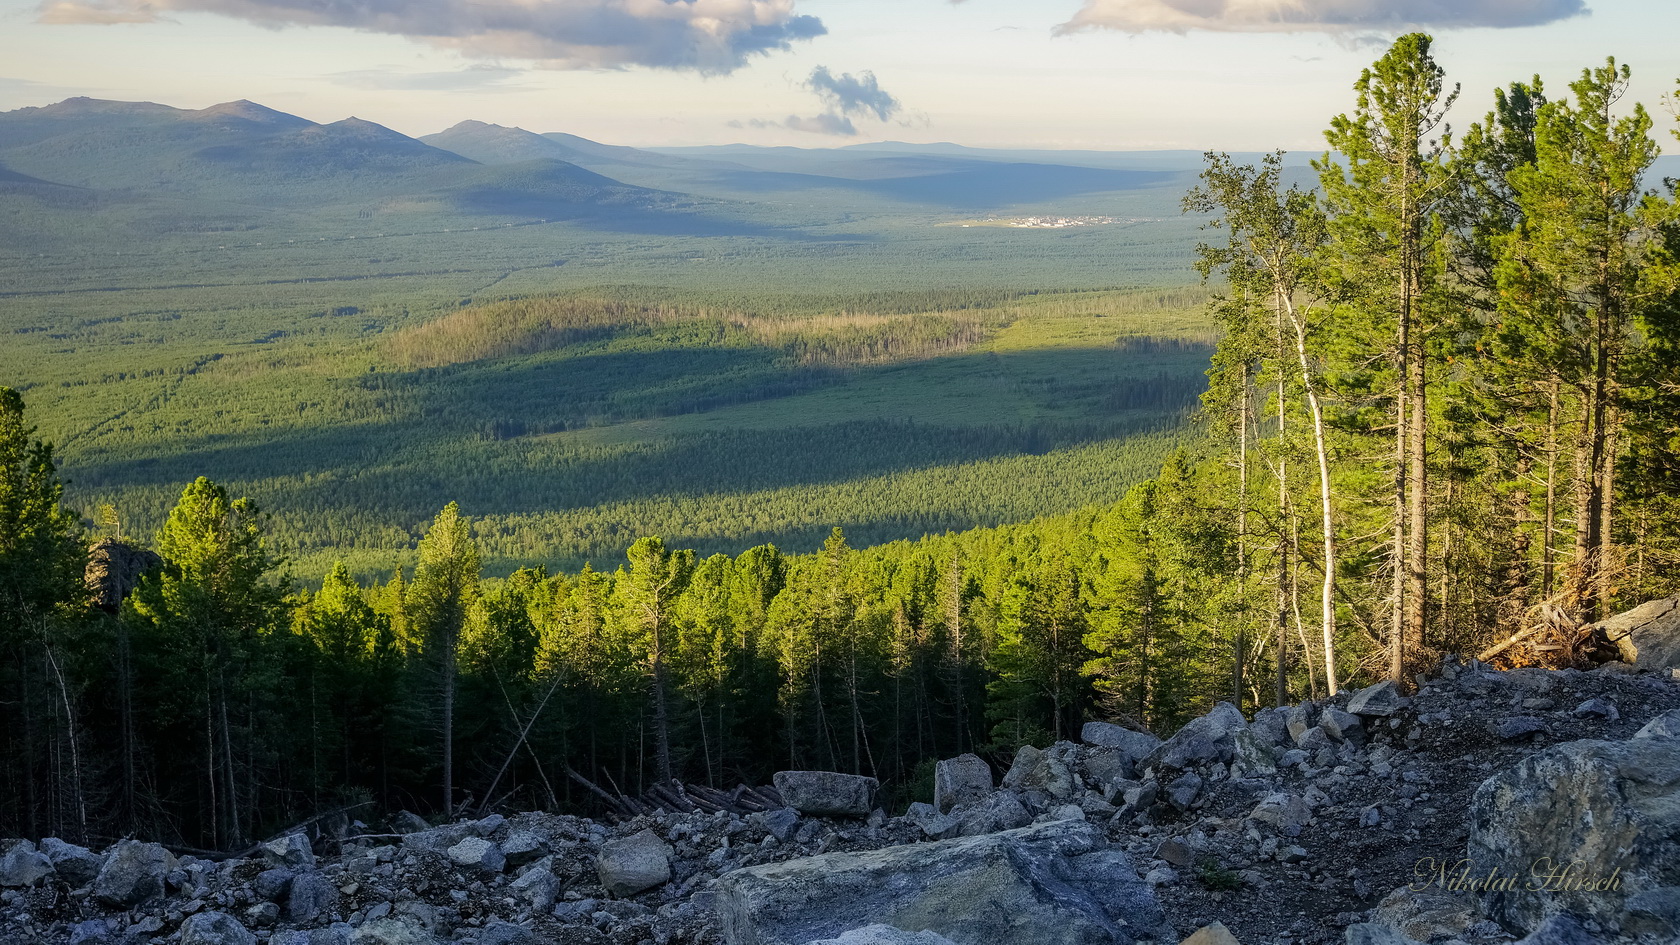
1328	16
707	36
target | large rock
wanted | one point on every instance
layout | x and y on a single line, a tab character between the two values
76	865
133	873
1666	725
827	793
400	931
1219	737
1108	735
215	928
23	865
1214	933
1058	883
291	852
965	779
1382	699
637	862
1000	811
1647	636
1428	914
114	570
1342	726
477	853
879	934
537	886
1048	775
311	898
1580	827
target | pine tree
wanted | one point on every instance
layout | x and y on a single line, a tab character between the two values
444	590
208	619
1592	239
1384	226
657	576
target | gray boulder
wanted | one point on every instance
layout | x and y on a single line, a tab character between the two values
338	934
75	865
1648	635
1342	726
1104	768
1599	707
215	928
291	852
1301	719
273	884
1603	818
403	931
827	793
1058	883
1517	726
1654	914
1427	914
23	865
1108	735
505	933
1219	737
1000	811
1271	727
407	821
1372	933
879	934
538	887
1382	699
522	847
637	862
965	779
1048	775
133	873
477	853
1183	791
780	823
1666	725
1282	811
91	932
311	898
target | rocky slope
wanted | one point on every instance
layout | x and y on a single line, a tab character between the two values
1367	818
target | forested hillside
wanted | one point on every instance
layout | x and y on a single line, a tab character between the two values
1440	419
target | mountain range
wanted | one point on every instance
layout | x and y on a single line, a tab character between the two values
248	154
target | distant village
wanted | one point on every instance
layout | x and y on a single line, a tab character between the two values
1047	222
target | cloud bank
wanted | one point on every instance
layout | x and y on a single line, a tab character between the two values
706	36
1326	16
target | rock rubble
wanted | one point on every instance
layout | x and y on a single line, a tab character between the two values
1362	818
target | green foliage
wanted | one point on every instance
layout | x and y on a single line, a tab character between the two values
41	556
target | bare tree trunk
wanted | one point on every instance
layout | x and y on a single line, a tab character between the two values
1402	431
75	747
1327	590
1240	656
1548	548
448	710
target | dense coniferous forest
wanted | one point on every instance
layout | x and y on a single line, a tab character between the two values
1440	418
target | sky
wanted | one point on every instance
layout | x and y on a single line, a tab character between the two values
1066	74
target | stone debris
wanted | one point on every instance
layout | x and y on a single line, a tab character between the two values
1351	819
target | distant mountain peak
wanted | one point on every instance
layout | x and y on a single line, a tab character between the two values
251	111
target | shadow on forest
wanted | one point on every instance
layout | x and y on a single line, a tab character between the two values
466	434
